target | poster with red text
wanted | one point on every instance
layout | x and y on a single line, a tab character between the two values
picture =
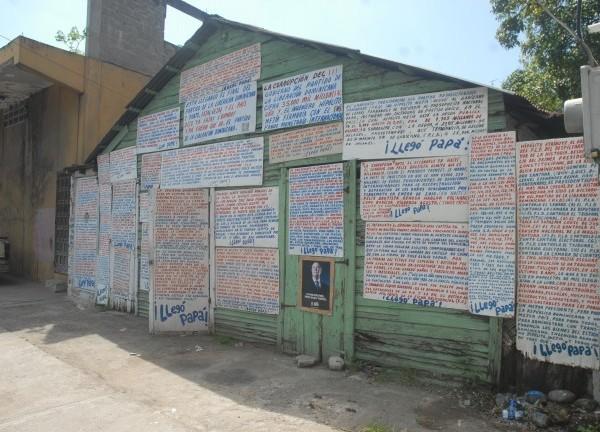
558	312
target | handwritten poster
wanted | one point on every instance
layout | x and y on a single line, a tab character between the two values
150	171
308	142
122	276
144	257
230	163
247	217
158	131
430	124
144	207
492	224
422	264
558	313
312	97
248	279
86	233
239	66
316	211
123	164
180	272
425	189
103	162
104	235
231	111
124	212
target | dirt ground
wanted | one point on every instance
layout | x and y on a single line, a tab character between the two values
66	368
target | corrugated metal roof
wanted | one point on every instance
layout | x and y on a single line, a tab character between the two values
210	23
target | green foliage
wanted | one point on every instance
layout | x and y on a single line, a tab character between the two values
72	39
224	340
550	56
374	427
589	428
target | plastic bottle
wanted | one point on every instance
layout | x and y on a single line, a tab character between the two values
512	409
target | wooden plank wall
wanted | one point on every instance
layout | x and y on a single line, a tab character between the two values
447	341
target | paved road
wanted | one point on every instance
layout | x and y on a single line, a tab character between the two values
64	368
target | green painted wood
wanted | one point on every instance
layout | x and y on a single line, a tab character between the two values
143	303
440	341
495	350
350	217
247	326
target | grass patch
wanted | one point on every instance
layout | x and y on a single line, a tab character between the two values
224	340
589	428
375	427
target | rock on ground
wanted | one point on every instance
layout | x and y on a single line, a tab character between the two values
561	396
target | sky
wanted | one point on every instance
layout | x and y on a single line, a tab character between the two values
452	37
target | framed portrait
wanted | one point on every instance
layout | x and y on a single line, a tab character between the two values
316	284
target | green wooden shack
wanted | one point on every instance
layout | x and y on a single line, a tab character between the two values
441	341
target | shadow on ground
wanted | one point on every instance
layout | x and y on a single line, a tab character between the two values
194	377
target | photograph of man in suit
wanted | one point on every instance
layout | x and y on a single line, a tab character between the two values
315	286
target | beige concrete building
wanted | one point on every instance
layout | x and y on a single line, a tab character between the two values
54	108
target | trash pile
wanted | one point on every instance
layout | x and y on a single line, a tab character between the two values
557	408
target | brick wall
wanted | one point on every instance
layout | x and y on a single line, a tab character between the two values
128	33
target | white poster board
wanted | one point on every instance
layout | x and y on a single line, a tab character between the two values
124	227
229	163
315	141
158	131
558	312
103	162
145	257
312	97
180	273
492	224
239	66
424	189
423	125
316	210
144	207
247	217
150	171
421	264
86	234
248	279
104	235
123	164
229	112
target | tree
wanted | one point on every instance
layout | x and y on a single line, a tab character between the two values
550	55
72	39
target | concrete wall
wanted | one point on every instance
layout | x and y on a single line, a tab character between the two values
62	128
129	33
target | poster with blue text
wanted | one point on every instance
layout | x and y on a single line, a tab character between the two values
558	305
492	224
421	189
123	164
104	239
248	279
179	287
312	97
316	211
247	217
416	263
150	171
423	125
231	111
229	163
213	76
86	233
158	131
